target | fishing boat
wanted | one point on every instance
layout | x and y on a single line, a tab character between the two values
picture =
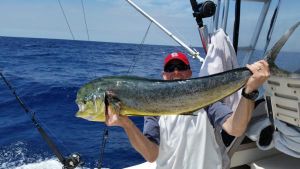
279	103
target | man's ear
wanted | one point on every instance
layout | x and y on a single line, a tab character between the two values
163	75
189	73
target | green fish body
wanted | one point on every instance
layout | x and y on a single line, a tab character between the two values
150	97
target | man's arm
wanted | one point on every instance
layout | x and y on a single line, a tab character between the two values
141	143
237	123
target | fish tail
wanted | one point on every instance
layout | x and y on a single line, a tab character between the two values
273	52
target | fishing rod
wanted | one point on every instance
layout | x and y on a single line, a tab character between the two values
71	162
193	52
271	27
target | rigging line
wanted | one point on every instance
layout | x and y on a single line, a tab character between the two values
86	26
104	140
271	27
105	129
105	134
66	19
131	67
35	122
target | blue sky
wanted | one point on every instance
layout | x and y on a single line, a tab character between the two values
117	21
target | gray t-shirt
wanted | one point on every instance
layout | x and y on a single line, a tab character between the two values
217	114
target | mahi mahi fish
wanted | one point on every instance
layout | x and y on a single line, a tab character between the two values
150	97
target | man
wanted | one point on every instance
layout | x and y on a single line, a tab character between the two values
188	141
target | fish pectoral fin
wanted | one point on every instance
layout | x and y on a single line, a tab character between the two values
114	103
115	107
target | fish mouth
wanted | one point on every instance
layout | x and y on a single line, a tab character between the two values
91	110
81	110
81	107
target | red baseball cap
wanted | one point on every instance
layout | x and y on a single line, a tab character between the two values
176	55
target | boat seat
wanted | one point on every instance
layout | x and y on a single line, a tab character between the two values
283	99
281	161
283	104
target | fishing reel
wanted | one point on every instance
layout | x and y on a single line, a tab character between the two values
203	10
73	161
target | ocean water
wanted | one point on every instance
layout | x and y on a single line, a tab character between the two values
46	74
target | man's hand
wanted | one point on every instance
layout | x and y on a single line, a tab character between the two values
113	117
261	73
141	143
